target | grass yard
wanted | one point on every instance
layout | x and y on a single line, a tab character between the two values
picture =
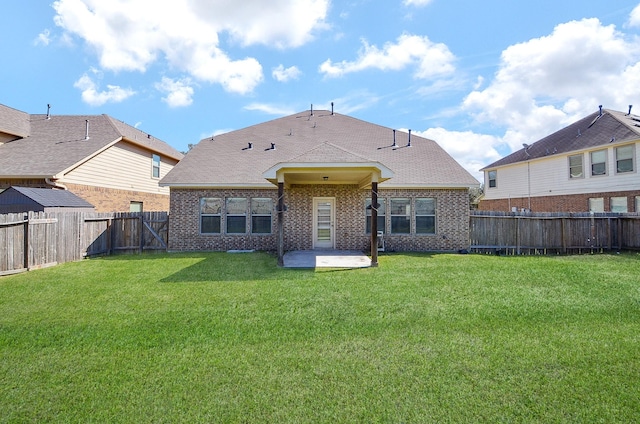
218	337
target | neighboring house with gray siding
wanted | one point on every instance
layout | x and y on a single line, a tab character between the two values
590	165
108	163
307	181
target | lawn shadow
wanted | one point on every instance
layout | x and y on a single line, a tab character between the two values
228	267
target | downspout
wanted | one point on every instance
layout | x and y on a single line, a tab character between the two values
55	184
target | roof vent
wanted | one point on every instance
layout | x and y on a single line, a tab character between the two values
331	108
600	110
273	146
409	142
394	139
86	132
249	146
630	106
48	111
311	109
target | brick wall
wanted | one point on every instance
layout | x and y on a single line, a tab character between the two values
564	203
452	223
114	200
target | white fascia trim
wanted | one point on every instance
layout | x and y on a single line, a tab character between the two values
272	172
427	186
216	185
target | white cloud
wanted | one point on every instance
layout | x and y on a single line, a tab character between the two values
44	38
548	82
430	59
270	109
634	17
131	35
416	2
93	97
179	92
283	75
471	150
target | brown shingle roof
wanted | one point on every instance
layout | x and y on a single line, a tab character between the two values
322	137
57	144
14	122
591	131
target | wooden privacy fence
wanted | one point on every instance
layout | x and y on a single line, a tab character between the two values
36	240
553	233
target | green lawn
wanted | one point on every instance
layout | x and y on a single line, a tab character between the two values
218	337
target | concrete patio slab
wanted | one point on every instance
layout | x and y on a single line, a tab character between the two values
326	259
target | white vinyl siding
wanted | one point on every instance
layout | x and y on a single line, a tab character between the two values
548	176
122	166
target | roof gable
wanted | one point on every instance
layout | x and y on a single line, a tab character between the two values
592	131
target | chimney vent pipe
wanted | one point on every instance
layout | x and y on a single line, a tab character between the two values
86	133
48	111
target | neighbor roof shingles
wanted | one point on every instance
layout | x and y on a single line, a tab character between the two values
54	145
592	131
225	159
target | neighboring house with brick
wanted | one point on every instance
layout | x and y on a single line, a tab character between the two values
307	181
591	165
111	165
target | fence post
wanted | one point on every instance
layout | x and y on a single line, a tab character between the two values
518	235
141	232
26	241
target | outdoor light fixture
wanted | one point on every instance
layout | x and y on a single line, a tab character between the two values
325	178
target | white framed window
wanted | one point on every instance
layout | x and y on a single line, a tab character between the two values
624	158
492	176
236	215
599	162
596	204
637	204
155	166
400	215
135	206
618	204
381	214
425	215
261	215
210	215
576	166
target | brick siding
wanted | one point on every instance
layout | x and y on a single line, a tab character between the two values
452	222
564	203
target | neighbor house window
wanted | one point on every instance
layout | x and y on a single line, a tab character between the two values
236	214
575	166
155	167
493	178
619	204
400	216
261	209
381	215
425	215
624	158
599	162
596	204
210	214
135	207
637	204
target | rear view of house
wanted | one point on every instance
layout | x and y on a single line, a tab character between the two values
109	164
318	180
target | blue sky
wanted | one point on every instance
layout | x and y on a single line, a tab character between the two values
480	78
